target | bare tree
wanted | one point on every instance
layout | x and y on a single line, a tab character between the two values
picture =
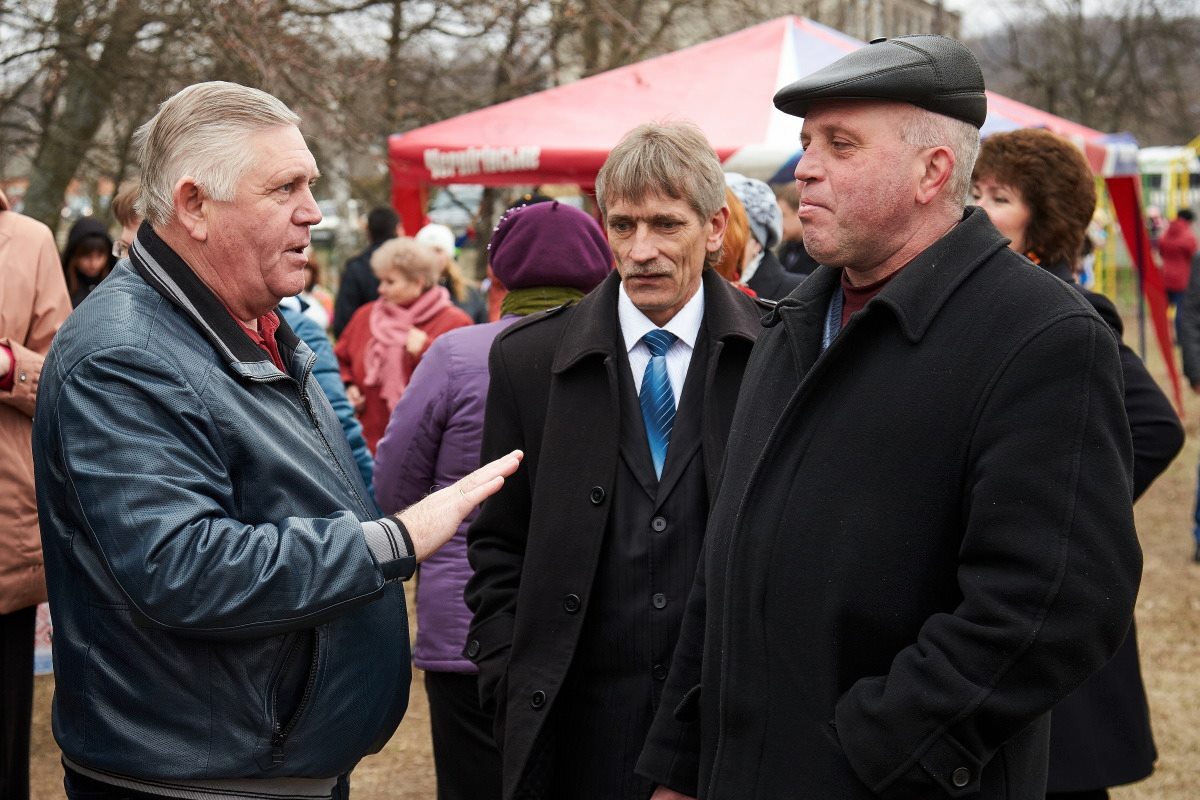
92	39
1122	67
78	76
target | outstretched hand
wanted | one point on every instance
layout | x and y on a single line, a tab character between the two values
433	521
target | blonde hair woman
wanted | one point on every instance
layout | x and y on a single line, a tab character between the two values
464	292
385	339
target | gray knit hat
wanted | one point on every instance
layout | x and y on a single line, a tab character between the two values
766	220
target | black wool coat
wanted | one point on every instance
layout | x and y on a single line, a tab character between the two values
1100	734
771	281
922	540
536	544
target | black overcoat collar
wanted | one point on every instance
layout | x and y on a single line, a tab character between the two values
923	287
918	293
914	296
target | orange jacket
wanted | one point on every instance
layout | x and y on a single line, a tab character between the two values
33	303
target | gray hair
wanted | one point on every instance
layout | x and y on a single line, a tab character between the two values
202	132
924	128
671	159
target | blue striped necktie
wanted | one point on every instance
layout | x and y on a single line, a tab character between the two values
657	398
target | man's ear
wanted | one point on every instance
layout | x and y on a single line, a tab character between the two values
937	165
716	236
192	206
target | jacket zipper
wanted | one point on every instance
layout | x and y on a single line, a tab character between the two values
302	393
282	732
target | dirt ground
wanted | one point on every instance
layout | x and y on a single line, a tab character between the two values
1168	615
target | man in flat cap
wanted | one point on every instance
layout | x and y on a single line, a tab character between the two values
923	537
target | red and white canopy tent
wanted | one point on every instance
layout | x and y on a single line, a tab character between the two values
564	134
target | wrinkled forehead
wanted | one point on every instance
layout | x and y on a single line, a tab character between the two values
651	203
856	114
281	152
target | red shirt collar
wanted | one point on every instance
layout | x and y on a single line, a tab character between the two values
264	337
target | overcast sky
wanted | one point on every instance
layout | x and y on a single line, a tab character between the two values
977	17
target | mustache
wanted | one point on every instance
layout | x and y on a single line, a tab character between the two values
654	269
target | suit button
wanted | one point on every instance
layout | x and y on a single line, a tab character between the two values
659	672
658	524
961	777
597	495
659	600
537	699
571	603
473	648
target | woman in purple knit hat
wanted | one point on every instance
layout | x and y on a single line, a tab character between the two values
548	255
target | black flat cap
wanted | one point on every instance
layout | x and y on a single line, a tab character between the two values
932	72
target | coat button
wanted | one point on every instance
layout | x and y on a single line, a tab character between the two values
659	672
597	495
961	777
537	699
571	603
658	524
659	600
473	648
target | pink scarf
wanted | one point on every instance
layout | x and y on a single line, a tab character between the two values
390	324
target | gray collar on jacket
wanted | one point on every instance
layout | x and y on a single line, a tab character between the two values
925	284
592	328
171	277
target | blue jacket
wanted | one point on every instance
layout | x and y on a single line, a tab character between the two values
217	611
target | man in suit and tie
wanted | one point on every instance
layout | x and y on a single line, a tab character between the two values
622	404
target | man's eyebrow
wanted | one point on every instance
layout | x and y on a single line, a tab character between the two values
656	218
831	129
293	175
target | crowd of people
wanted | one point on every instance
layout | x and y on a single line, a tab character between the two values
727	491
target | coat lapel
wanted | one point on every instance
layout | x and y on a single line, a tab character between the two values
918	293
635	447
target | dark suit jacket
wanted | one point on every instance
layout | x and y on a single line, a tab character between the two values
536	544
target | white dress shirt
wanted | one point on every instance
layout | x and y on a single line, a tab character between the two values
685	325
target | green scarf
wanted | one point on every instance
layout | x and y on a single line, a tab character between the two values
524	302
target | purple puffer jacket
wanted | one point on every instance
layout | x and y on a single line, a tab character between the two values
432	440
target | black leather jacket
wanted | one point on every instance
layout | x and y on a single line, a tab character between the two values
217	612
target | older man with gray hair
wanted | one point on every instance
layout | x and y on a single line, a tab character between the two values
228	615
923	538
